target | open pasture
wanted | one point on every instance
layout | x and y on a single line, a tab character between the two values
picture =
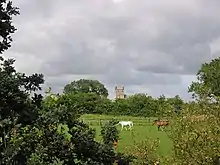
142	129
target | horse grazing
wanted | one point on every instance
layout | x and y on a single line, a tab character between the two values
126	123
160	123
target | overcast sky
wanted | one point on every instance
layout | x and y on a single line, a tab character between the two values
147	46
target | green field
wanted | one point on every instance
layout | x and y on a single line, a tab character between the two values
142	129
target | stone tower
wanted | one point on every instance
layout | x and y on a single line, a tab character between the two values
119	92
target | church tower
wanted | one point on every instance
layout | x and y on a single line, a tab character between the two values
119	92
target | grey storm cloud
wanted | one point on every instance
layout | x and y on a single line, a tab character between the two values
126	42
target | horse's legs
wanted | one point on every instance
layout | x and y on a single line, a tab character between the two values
121	127
158	127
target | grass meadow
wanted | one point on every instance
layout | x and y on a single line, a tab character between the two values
142	129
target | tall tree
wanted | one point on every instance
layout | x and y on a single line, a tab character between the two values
208	81
195	132
16	105
86	86
7	11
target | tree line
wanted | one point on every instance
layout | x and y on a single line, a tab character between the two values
91	95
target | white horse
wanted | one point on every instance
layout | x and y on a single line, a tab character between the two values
126	123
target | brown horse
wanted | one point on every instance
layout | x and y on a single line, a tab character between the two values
160	123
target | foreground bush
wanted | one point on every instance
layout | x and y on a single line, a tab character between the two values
58	136
145	152
196	135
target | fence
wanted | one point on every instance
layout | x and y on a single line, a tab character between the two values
100	122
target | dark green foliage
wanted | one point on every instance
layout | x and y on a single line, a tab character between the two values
16	105
15	90
120	107
135	105
110	133
105	106
124	159
6	26
57	134
86	86
208	81
61	109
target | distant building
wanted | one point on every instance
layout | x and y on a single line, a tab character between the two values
119	92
